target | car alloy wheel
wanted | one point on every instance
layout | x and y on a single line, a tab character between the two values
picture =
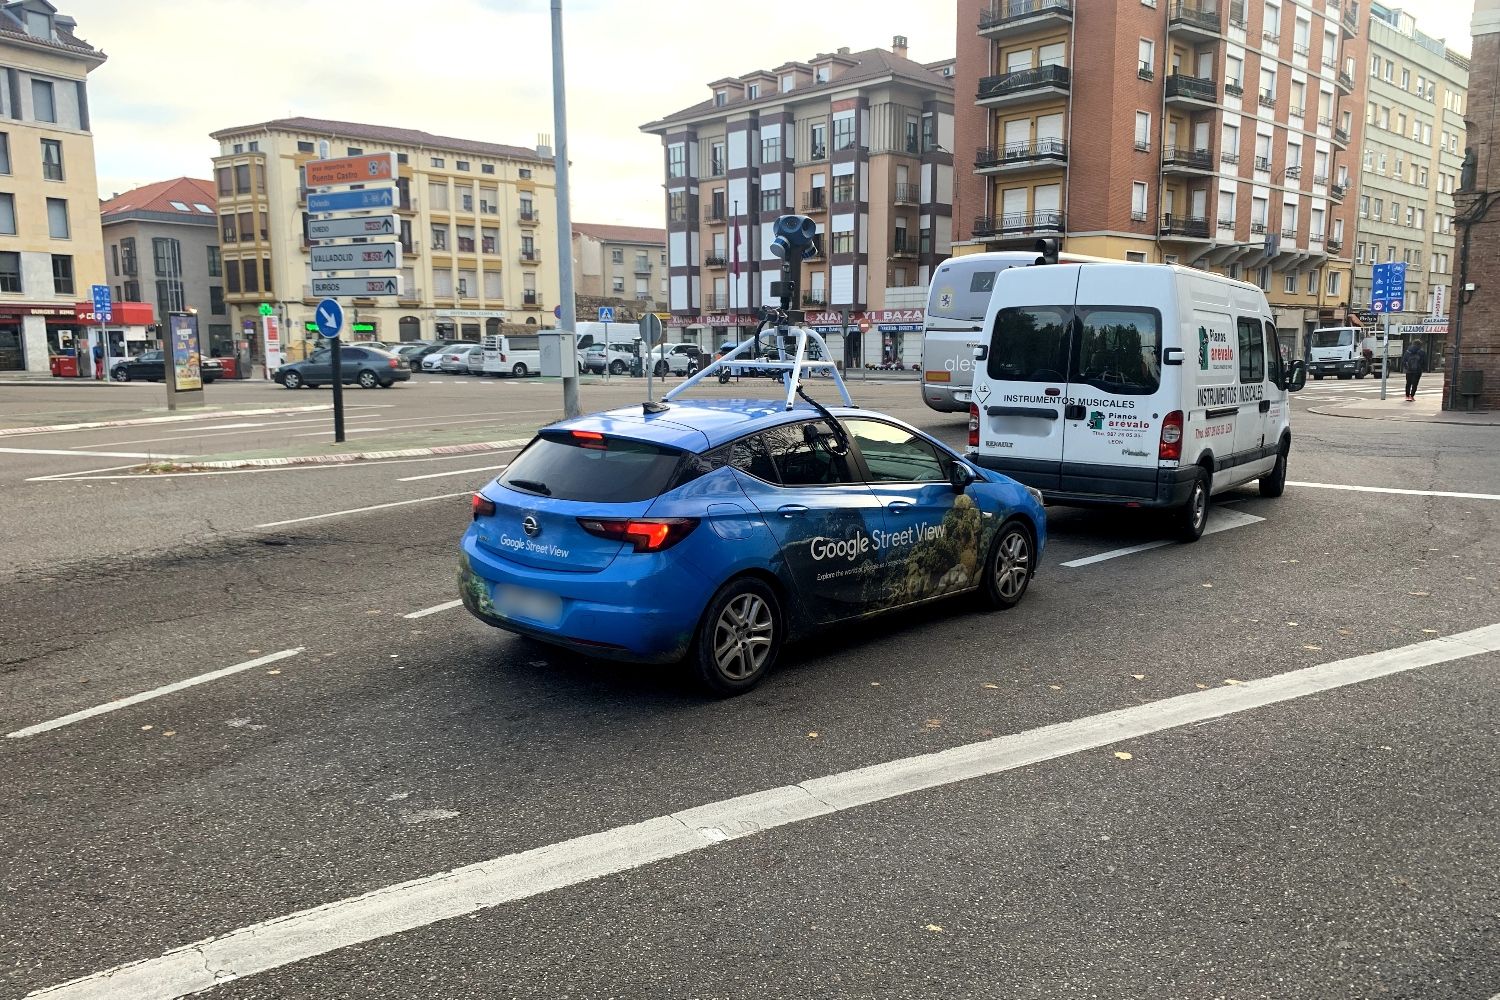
367	380
292	380
121	374
1008	572
617	367
739	637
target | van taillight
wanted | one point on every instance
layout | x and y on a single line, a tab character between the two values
1171	438
973	426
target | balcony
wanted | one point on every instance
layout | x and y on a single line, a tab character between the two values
1334	246
1337	192
1267	99
1182	160
489	244
907	194
1233	88
1011	18
716	302
717	214
1257	228
1192	90
903	250
1184	227
716	262
815	200
1018	225
409	296
1020	157
1341	138
641	268
1350	21
815	299
1290	235
1196	21
531	300
530	256
410	248
1345	83
528	218
1024	86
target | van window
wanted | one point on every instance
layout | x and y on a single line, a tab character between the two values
1119	350
1273	357
962	291
1252	351
1029	345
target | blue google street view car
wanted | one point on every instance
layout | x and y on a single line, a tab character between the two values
716	530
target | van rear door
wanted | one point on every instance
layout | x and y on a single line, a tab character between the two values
1116	400
1022	389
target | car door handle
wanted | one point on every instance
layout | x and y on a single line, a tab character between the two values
1265	406
899	507
1075	411
791	509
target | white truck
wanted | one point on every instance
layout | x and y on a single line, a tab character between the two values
1350	352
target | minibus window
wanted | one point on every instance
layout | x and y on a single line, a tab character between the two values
962	293
1030	345
1119	350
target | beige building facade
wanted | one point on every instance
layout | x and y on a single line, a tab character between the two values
51	248
621	262
477	225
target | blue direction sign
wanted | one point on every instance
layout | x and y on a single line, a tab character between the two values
606	314
352	201
1388	287
104	308
330	318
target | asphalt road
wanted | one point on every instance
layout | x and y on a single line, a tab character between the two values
1337	842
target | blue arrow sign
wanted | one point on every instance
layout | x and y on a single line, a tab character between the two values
330	318
103	305
352	201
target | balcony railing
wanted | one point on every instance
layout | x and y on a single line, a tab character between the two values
1226	223
529	218
1192	227
1289	234
1262	163
1258	228
1193	15
907	194
1345	82
716	214
1183	157
1003	12
716	301
1232	88
814	201
1018	224
1350	20
818	300
1192	88
1022	80
530	256
1020	153
1267	99
1341	136
1336	191
1334	246
904	248
1229	157
716	261
642	268
683	216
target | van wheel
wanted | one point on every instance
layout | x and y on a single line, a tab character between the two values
1192	518
739	637
1273	484
1008	570
519	371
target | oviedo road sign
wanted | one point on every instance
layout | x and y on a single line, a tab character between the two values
352	201
333	229
359	288
356	257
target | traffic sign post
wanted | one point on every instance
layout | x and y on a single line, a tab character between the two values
330	320
104	309
651	334
1387	295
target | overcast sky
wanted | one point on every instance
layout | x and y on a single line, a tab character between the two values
478	69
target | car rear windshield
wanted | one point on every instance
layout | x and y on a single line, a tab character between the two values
579	465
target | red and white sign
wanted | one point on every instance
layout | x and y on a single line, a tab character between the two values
874	317
351	170
270	332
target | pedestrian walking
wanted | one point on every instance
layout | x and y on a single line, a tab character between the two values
1414	363
98	361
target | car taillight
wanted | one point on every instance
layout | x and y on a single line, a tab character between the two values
395	362
645	534
481	507
973	426
1171	438
589	439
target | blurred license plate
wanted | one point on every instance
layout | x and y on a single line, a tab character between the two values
962	397
533	605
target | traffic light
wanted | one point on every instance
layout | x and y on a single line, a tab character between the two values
1047	248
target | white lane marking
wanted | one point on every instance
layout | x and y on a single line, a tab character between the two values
174	418
1398	492
405	906
136	699
455	472
433	610
88	454
1218	520
211	431
361	510
91	475
439	422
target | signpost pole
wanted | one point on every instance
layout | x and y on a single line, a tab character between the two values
569	318
338	392
1385	353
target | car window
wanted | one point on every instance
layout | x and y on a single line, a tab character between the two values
355	354
751	456
319	357
1029	345
896	455
1119	350
806	454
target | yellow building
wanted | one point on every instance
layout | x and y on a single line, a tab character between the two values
51	247
477	227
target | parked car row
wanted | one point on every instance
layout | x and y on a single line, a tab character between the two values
149	367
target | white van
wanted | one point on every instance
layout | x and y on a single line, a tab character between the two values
957	302
1137	385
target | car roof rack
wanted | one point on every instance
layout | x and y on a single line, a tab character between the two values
793	365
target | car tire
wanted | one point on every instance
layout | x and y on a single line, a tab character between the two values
739	637
292	380
368	379
386	385
518	370
120	374
1318	376
1273	483
1192	517
660	369
1009	566
617	367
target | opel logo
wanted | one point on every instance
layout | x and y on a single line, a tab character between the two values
529	525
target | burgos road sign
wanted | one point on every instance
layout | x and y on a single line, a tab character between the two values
359	288
329	318
352	201
356	257
351	170
333	229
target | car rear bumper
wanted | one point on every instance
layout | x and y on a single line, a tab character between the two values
1072	484
666	598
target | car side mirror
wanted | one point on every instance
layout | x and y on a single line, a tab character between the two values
1296	376
1172	356
960	476
981	352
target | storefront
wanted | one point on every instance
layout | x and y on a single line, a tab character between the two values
880	338
31	334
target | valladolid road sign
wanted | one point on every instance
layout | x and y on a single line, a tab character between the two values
359	288
356	257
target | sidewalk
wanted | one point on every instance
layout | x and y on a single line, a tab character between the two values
1424	410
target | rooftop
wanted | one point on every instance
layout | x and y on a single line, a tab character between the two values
190	198
621	234
13	29
414	138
